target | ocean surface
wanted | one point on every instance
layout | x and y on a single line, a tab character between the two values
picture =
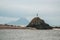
26	34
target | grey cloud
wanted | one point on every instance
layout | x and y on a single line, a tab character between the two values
26	8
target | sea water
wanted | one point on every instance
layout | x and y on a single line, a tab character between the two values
26	34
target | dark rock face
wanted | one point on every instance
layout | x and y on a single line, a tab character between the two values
38	24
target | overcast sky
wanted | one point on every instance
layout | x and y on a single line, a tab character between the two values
12	10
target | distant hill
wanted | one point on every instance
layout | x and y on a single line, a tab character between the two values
21	21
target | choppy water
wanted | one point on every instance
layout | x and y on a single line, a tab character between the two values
19	34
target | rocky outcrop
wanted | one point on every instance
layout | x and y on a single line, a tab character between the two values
39	24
